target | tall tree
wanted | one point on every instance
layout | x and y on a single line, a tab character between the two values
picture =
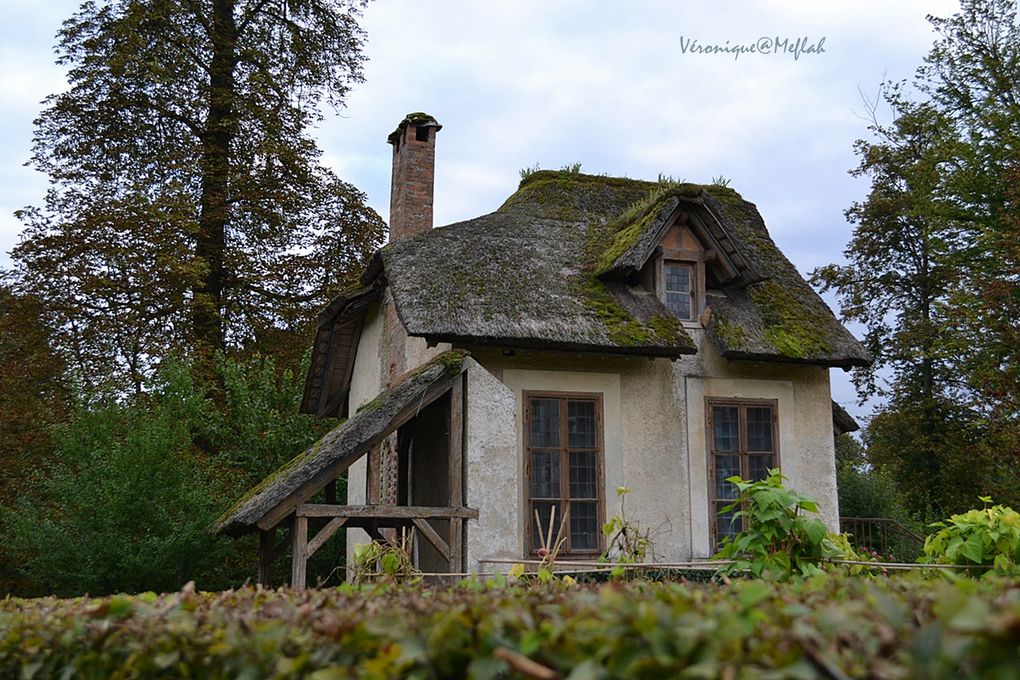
973	74
933	268
188	208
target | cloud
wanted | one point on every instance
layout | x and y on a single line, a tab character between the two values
605	84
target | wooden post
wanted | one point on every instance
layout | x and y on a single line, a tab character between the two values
456	545
456	429
266	555
372	477
299	555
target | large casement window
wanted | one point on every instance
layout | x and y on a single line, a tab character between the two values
563	468
743	441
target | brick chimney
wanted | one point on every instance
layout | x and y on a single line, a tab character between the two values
414	169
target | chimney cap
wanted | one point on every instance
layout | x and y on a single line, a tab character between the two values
417	119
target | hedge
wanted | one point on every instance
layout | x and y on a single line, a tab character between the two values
826	627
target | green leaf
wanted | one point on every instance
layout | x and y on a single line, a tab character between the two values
974	548
816	531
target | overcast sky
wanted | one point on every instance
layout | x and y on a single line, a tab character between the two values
620	87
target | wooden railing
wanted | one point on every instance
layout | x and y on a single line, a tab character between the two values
887	537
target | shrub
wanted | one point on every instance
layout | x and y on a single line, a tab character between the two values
989	536
779	539
814	628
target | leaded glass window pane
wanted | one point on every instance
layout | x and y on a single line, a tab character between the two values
759	428
545	423
726	429
545	474
759	466
725	467
581	424
582	474
584	525
678	284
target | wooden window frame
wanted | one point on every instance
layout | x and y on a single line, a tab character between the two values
564	449
696	262
742	448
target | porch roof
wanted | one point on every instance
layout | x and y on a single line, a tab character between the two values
279	494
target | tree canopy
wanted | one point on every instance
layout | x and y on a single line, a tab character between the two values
188	207
933	267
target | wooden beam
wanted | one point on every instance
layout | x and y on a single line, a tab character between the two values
456	438
384	511
433	536
324	535
299	557
331	472
456	545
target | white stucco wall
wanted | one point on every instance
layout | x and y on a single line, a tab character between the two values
644	443
493	483
654	434
366	383
804	406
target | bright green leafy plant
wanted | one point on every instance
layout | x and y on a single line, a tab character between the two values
778	539
989	536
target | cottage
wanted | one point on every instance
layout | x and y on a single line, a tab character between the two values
592	332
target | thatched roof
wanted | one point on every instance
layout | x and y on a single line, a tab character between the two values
556	267
311	470
842	421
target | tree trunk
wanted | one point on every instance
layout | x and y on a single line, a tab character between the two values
210	241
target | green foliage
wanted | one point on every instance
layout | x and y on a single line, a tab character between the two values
816	628
928	451
125	503
258	427
989	536
33	399
525	173
779	540
385	560
932	267
188	208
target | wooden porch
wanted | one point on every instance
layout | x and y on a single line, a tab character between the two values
422	420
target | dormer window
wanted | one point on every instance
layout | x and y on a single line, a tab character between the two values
679	289
676	274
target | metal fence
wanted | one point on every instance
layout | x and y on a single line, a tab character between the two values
888	538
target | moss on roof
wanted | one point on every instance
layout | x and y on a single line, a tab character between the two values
524	275
544	271
623	233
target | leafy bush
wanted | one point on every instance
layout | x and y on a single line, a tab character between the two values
134	483
989	536
779	539
126	502
815	628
